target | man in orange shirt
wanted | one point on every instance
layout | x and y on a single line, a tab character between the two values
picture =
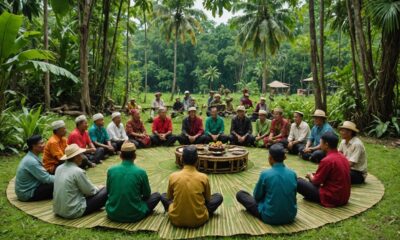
55	147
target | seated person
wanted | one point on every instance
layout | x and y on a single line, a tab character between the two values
192	129
33	182
193	103
210	98
132	105
129	193
81	137
353	149
55	147
162	129
330	185
116	131
99	136
215	128
74	194
246	102
263	125
229	110
260	106
279	129
312	151
156	104
274	200
136	131
188	201
299	132
177	108
217	102
186	100
241	129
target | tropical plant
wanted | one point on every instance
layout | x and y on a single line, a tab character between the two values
252	86
10	140
380	128
211	74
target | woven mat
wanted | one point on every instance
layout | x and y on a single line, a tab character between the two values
230	219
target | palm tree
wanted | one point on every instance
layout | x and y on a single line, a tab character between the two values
177	18
211	74
263	25
145	7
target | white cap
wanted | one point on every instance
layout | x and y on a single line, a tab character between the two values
97	116
162	109
58	124
192	109
186	92
80	118
115	114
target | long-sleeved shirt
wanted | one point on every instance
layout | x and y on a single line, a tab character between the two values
280	127
98	134
71	187
53	152
262	127
260	106
333	177
214	126
178	106
299	132
189	190
157	104
317	132
186	102
162	125
275	194
246	102
192	127
354	151
128	189
116	133
30	174
241	126
82	139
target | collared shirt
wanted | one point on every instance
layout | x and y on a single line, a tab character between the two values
354	150
241	126
30	174
246	102
128	189
317	132
162	125
71	187
214	126
157	104
80	138
262	127
192	127
189	190
53	152
333	177
275	194
98	134
299	132
135	126
116	133
260	106
186	102
280	126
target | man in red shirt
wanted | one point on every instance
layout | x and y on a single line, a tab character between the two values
192	129
330	185
81	137
279	131
162	129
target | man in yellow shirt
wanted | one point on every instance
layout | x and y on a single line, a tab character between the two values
55	147
189	202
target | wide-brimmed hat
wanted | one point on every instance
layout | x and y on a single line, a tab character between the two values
319	113
263	99
262	112
72	151
350	126
217	95
240	108
158	93
300	113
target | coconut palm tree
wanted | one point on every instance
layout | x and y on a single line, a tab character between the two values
211	74
263	25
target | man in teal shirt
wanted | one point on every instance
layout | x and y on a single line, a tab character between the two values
274	200
99	136
129	198
215	128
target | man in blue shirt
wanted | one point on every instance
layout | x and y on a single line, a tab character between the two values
33	182
99	136
274	200
312	150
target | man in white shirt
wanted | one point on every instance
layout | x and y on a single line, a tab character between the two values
186	100
354	150
116	131
299	131
156	104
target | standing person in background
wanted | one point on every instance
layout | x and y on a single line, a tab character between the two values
55	147
99	136
186	100
156	104
299	132
263	125
116	131
136	131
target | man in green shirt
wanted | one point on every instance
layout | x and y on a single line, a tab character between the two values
99	136
263	126
215	128
129	198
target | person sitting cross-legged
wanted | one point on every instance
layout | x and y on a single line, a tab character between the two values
330	185
313	151
263	125
274	200
188	201
241	129
136	131
279	129
129	193
33	182
55	147
192	129
177	108
116	131
215	128
162	129
74	194
299	131
260	106
99	136
354	150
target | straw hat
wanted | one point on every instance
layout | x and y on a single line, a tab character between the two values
115	114
97	116
319	113
217	95
262	112
128	147
80	119
57	124
192	109
229	99
72	151
350	126
240	108
278	109
298	112
263	99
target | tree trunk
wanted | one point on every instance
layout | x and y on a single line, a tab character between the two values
145	56
127	58
104	52
47	97
265	71
321	55
175	62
